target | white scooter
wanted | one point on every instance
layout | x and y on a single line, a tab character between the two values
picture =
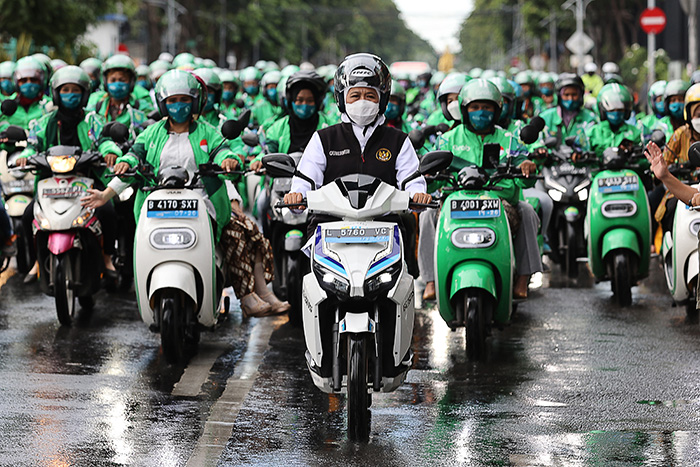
179	274
67	235
358	301
679	249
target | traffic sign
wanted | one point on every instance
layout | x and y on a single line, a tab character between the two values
579	43
653	20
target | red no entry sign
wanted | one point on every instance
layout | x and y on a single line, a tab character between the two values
653	20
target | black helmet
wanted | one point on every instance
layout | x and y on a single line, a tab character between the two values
305	80
570	79
362	69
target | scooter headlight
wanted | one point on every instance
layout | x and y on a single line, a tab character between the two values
551	183
178	238
555	195
44	223
694	227
330	282
583	194
61	164
619	208
473	238
83	218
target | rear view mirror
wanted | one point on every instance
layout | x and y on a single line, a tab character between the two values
118	132
658	137
694	154
8	107
279	165
551	142
435	161
250	139
231	129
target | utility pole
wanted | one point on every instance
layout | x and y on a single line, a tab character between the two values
690	7
651	49
579	9
551	20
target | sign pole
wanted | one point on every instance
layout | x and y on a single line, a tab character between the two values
651	48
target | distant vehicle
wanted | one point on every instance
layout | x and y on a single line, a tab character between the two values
412	69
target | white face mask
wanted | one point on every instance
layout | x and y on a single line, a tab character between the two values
696	124
362	112
453	110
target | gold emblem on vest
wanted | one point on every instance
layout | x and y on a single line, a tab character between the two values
384	155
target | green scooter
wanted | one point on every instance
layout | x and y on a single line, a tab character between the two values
618	223
474	259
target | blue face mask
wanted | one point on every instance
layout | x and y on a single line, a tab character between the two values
615	117
7	86
272	94
546	91
676	110
392	111
211	100
227	96
659	108
571	105
304	111
481	119
30	90
179	111
331	88
144	83
252	90
70	100
118	90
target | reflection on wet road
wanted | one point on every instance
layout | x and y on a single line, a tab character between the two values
573	381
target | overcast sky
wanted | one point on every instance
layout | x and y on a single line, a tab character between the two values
436	21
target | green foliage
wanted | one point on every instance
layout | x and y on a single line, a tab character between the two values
634	66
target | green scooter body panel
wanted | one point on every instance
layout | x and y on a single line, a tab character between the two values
467	267
604	230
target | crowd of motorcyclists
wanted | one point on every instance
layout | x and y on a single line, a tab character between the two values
174	110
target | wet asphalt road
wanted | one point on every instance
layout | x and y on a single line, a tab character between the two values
573	381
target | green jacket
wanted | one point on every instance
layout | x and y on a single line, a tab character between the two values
601	136
650	123
44	135
437	118
554	125
149	147
278	137
131	116
468	149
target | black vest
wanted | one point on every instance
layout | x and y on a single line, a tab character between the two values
344	156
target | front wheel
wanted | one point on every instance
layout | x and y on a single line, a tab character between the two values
25	261
63	290
172	329
294	285
622	279
358	397
477	323
571	251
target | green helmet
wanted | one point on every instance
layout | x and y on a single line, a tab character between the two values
157	68
92	66
676	87
271	77
142	70
228	76
281	88
250	74
46	63
70	74
179	82
120	62
184	60
437	78
208	63
506	89
479	90
657	89
210	78
488	74
614	96
30	67
289	70
7	69
524	77
476	72
545	78
271	66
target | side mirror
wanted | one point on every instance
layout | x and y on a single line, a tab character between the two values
431	163
250	139
570	141
417	138
231	129
244	118
443	127
282	165
8	107
529	134
240	103
15	134
659	138
550	142
694	154
118	132
538	123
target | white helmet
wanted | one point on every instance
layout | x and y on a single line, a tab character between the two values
590	67
611	68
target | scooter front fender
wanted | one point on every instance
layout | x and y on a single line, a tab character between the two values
620	238
693	267
172	275
473	275
60	242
